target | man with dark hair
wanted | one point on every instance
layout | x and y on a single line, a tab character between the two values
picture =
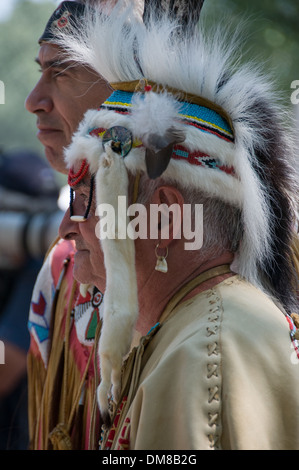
62	324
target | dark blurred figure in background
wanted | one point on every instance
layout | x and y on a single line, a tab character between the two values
29	217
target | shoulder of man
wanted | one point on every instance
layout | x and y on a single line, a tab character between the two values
259	368
43	294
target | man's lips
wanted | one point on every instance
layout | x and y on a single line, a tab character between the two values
81	248
46	129
45	134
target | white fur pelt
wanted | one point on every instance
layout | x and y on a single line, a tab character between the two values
121	303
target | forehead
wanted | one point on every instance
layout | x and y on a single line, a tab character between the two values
50	55
49	52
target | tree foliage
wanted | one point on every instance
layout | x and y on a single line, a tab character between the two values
19	73
272	30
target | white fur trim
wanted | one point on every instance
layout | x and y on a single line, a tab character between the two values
215	147
121	301
84	147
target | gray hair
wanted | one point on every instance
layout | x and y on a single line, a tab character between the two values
222	222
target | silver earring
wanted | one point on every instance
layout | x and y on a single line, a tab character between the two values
161	264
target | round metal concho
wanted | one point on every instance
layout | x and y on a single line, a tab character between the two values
122	139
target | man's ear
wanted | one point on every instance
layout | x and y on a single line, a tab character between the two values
170	202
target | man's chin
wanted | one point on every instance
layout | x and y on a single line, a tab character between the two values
56	159
82	268
81	277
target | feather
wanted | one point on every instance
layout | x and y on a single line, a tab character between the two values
159	150
186	12
155	121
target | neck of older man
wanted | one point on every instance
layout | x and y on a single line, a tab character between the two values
156	289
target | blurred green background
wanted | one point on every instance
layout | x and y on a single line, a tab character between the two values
272	25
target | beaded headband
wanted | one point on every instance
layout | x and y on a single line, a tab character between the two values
179	152
67	14
199	113
194	109
144	85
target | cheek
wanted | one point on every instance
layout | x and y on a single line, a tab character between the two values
74	114
97	259
72	118
70	114
88	232
82	269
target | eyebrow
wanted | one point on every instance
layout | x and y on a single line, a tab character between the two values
55	63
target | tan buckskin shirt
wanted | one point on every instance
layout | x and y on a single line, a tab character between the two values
220	373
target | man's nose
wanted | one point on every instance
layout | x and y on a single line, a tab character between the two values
68	228
39	99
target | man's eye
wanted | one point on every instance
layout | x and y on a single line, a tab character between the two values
58	73
83	198
80	196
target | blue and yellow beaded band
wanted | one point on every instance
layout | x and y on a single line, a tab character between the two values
201	117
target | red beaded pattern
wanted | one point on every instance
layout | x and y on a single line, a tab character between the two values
75	178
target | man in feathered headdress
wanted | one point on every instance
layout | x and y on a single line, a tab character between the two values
217	363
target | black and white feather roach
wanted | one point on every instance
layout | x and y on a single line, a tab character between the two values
185	12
